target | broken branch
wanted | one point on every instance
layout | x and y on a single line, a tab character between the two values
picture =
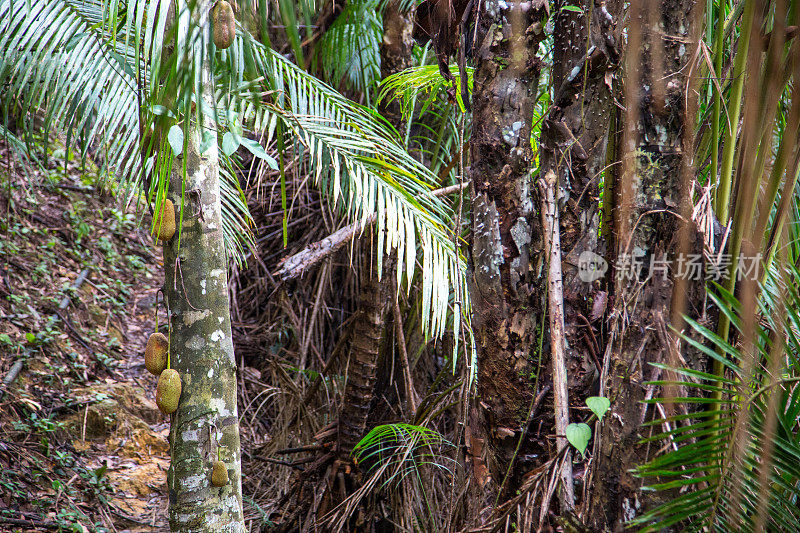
293	266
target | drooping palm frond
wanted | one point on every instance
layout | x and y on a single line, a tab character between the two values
734	458
359	161
53	61
76	63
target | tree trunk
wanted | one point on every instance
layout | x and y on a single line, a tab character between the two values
395	54
574	139
506	284
654	186
368	329
205	427
573	147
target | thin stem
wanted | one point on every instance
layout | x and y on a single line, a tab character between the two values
722	210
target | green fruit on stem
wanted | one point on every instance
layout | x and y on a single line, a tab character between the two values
219	474
223	24
168	391
165	224
155	354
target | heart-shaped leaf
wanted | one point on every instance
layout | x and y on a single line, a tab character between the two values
175	138
578	435
230	143
599	405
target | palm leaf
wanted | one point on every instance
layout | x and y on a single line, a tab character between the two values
713	493
76	62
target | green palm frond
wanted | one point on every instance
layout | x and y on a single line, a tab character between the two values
360	163
400	449
53	60
350	49
423	84
76	62
712	490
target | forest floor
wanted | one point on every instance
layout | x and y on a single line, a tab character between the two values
83	446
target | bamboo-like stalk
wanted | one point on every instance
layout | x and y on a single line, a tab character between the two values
787	148
719	40
723	193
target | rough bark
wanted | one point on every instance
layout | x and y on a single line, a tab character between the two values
574	139
506	282
365	346
652	190
205	427
395	54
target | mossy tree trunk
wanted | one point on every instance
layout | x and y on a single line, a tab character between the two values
506	287
205	427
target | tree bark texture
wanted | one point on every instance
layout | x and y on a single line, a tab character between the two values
573	146
205	428
362	367
395	54
651	193
573	149
507	284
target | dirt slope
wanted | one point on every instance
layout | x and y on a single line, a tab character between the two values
82	445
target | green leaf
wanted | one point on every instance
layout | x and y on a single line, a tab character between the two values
160	110
207	141
175	138
599	405
257	150
229	143
578	435
30	337
574	9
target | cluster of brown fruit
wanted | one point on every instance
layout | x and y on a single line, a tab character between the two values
168	390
